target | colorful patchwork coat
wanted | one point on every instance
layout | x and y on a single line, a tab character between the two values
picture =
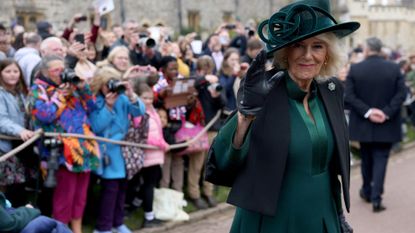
53	112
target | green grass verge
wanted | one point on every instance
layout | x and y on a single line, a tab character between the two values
134	219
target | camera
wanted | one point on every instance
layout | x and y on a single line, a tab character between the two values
53	161
146	41
115	86
202	83
230	26
69	76
216	87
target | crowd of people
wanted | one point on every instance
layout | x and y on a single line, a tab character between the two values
116	84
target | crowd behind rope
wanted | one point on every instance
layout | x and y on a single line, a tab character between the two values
114	84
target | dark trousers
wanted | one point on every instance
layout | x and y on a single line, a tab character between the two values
133	188
111	211
151	178
374	161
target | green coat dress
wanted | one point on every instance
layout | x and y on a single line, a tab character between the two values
306	202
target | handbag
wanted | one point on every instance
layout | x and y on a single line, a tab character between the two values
189	131
133	155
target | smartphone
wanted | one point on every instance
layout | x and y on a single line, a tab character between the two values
80	38
230	26
82	18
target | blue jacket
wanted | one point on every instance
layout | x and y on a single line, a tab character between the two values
114	124
12	117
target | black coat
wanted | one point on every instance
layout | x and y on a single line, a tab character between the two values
375	83
256	186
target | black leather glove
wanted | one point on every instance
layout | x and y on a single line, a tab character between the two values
256	85
344	226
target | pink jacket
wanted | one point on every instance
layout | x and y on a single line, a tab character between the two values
155	138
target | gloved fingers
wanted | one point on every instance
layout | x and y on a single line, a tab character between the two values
258	64
271	81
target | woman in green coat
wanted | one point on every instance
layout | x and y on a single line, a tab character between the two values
283	150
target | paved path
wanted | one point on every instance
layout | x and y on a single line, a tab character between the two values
399	198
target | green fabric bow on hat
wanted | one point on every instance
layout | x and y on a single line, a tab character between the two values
299	21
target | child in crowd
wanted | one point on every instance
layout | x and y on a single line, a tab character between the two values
13	122
110	119
151	171
168	132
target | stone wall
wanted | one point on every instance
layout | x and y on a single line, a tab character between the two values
394	25
151	11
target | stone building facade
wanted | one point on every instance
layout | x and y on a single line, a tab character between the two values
393	23
185	14
391	20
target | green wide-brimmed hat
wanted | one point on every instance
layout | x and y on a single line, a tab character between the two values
301	20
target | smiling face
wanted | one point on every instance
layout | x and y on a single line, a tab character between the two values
10	76
121	60
305	59
171	71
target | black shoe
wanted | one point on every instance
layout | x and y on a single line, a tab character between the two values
363	196
152	223
378	207
211	201
199	203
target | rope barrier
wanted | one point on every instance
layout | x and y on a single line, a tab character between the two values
40	133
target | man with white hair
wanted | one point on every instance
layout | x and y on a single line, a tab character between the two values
52	46
28	57
49	46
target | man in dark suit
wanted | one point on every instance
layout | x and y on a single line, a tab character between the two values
375	91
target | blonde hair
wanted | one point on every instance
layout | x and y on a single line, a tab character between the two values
336	56
108	61
102	76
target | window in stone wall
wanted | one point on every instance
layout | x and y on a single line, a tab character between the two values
193	20
227	16
29	19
